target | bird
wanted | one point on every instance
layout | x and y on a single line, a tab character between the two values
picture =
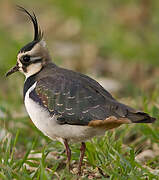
66	105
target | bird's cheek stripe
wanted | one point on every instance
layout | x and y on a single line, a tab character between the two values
24	69
36	61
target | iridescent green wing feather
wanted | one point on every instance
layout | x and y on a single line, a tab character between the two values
72	101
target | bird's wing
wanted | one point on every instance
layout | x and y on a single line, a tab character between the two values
75	101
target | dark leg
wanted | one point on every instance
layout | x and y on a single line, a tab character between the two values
82	151
68	152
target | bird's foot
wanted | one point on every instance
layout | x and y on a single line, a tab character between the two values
79	173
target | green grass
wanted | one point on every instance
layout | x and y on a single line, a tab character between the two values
25	153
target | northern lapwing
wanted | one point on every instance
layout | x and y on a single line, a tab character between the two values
67	105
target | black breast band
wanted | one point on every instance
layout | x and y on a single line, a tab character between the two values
28	83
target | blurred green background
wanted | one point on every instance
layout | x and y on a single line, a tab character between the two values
113	39
115	42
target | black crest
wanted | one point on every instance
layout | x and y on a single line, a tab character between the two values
38	35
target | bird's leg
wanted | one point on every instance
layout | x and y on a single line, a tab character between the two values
68	152
82	151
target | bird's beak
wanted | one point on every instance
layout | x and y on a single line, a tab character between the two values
12	70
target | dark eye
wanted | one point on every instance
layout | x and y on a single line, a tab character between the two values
26	58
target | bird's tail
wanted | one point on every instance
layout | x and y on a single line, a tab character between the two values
140	117
133	115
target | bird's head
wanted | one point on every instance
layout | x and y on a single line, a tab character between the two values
34	55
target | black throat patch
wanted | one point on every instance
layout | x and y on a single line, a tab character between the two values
28	83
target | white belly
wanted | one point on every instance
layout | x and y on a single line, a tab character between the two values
49	126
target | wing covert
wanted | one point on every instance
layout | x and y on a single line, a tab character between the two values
75	100
72	101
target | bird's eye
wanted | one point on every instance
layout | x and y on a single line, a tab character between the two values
26	58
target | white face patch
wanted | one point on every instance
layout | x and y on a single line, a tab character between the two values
34	54
20	66
32	69
35	58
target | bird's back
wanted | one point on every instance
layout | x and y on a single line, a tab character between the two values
78	99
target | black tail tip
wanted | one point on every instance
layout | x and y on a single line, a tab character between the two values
146	118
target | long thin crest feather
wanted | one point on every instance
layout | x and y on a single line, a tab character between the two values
38	35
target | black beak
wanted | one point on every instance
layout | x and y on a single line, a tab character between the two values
13	70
